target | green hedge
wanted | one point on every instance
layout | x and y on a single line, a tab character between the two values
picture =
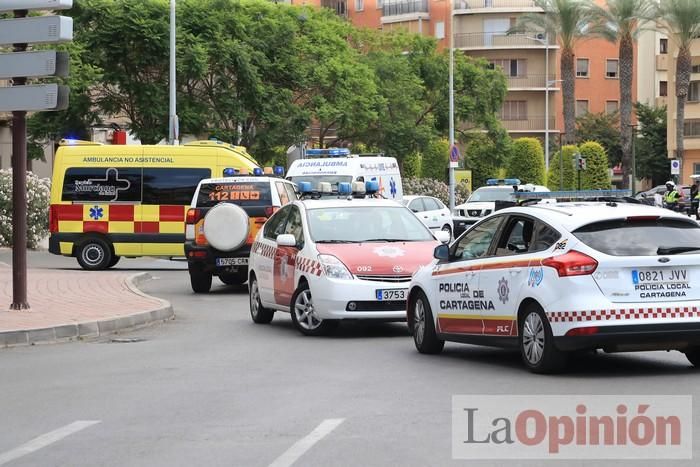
526	161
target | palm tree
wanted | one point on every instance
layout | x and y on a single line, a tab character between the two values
681	21
621	22
568	21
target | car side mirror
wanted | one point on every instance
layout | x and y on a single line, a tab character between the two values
442	252
442	236
286	240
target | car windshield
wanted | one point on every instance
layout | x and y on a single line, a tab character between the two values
641	237
491	194
366	224
316	179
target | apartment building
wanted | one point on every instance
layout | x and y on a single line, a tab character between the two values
652	69
690	163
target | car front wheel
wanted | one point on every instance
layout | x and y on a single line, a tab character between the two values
537	343
304	314
258	312
424	335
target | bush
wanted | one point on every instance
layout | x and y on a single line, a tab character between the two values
411	166
568	166
436	159
436	188
482	160
38	195
526	161
596	175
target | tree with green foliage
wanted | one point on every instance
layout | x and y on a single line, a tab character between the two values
436	159
597	173
564	166
604	128
651	150
526	161
483	159
412	165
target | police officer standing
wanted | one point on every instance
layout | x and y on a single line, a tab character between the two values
671	197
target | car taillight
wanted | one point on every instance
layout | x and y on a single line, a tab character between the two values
193	215
586	331
270	210
573	263
53	219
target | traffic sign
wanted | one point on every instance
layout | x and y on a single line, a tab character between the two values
36	30
9	5
34	98
675	167
34	64
454	153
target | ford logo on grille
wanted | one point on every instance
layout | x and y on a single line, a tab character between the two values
398	269
663	259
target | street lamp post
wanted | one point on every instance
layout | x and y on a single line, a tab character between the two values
546	101
173	124
452	112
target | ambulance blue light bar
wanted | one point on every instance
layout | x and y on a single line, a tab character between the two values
371	187
344	188
331	152
503	181
582	194
305	187
229	172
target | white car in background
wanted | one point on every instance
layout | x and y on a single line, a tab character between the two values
556	278
482	201
430	211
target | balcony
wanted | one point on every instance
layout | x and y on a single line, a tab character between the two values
488	6
501	40
530	124
662	62
531	82
405	11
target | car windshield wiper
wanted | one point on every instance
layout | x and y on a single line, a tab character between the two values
388	240
673	250
335	241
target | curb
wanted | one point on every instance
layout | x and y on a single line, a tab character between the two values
93	329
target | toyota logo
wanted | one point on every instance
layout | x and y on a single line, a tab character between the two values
398	269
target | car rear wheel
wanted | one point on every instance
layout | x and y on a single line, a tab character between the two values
693	356
537	343
95	254
424	335
235	278
304	314
258	312
199	279
115	260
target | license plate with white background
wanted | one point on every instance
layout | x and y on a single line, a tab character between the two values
231	261
391	294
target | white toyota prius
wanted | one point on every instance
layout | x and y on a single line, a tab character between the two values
334	259
551	279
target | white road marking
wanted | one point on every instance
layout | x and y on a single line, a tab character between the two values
45	440
300	447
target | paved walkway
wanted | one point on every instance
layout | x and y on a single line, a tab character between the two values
80	303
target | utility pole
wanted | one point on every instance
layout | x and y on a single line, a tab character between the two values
173	123
452	112
546	101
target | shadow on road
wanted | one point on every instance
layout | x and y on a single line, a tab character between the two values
282	324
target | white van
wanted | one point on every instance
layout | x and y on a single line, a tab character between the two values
339	166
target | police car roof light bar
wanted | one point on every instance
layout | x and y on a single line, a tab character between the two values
229	172
331	152
344	188
257	171
503	181
582	194
279	171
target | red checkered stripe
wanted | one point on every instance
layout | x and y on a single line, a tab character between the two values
265	250
308	265
623	314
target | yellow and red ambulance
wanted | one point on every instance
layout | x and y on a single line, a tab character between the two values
109	201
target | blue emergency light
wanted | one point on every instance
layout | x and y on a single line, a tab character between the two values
257	171
229	172
371	187
580	194
279	170
344	188
331	152
503	181
305	187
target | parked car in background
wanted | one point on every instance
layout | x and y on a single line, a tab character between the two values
430	211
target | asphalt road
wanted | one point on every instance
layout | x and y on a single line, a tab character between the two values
212	388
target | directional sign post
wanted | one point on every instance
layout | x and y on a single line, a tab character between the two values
20	98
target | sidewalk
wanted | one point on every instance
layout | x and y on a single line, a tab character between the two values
67	305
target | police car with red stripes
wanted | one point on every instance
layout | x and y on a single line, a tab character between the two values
550	279
343	256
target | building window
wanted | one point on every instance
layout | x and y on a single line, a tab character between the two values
582	68
611	107
694	91
514	110
696	168
663	88
359	5
663	46
612	68
440	30
691	128
380	4
511	67
695	69
581	108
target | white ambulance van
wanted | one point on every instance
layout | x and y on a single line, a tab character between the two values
336	166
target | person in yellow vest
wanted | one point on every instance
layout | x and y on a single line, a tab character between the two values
672	196
695	196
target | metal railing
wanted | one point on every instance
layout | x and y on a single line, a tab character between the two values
528	124
472	4
500	39
531	81
404	7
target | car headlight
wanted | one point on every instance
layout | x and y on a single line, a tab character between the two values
333	267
